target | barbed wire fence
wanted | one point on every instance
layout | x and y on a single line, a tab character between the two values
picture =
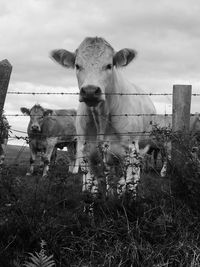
77	93
7	68
143	133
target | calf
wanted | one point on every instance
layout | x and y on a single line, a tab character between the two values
48	130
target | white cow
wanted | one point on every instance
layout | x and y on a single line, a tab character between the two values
102	125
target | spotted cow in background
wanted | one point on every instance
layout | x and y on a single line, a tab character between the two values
48	130
195	136
160	129
162	125
104	95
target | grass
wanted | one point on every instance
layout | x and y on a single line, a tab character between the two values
157	230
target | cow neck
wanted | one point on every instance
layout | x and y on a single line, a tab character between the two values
100	117
117	90
96	116
121	85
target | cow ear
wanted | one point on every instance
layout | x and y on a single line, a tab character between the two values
64	58
124	57
48	112
25	111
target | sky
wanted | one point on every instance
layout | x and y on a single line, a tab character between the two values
165	33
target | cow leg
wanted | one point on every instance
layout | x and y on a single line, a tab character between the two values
53	156
73	160
128	183
163	171
155	158
89	183
78	156
165	166
81	156
164	157
75	166
71	166
147	163
32	161
2	150
104	150
2	156
51	142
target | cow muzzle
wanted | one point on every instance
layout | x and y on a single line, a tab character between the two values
91	95
35	128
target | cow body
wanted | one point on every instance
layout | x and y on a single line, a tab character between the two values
4	131
195	129
160	129
162	122
103	126
49	130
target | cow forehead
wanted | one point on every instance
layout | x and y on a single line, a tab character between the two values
36	110
94	50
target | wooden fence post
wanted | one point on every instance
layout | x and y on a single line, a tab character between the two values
5	72
180	123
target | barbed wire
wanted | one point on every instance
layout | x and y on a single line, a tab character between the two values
86	115
77	93
112	115
90	135
39	135
133	134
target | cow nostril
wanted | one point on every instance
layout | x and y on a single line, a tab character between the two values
90	91
83	92
35	127
98	91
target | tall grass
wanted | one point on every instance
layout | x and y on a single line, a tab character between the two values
158	229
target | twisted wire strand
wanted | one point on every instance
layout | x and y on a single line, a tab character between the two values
112	115
141	134
77	93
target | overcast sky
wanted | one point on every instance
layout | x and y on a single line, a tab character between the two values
165	33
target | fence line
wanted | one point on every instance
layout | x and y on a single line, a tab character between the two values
146	133
77	93
115	133
84	115
138	133
113	115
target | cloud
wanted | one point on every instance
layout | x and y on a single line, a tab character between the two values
165	33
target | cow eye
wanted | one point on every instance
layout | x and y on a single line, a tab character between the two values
108	67
78	67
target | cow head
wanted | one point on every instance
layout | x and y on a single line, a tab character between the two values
94	61
37	115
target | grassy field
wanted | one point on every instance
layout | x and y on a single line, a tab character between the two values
46	216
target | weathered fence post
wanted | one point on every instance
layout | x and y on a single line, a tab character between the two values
5	72
180	123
